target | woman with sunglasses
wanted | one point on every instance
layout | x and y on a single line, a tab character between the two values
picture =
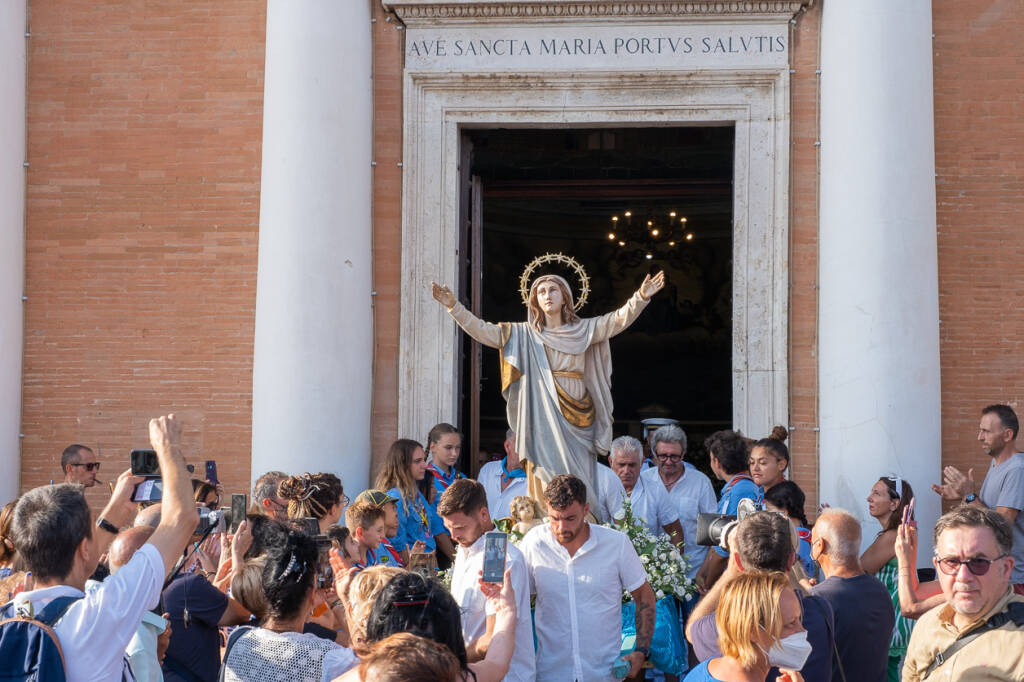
886	502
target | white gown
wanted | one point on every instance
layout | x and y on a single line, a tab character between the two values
557	388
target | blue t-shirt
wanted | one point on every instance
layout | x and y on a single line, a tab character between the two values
195	648
700	674
387	555
803	552
738	487
417	520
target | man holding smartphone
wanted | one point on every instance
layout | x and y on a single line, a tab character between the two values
463	508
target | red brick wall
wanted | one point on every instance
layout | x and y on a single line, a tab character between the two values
803	255
979	157
144	132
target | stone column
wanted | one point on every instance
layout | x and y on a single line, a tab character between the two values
879	393
313	355
12	238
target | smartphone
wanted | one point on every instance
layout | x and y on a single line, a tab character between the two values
311	526
144	463
150	490
211	472
495	544
239	503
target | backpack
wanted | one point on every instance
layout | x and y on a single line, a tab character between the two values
29	647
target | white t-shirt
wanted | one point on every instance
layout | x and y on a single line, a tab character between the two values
579	602
499	502
609	493
650	502
692	494
475	609
266	656
95	631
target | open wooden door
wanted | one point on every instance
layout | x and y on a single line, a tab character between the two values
471	294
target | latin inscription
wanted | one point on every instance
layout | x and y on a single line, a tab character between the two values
585	46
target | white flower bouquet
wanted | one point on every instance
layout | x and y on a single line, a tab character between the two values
666	567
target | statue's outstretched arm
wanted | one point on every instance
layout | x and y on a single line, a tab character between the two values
610	324
484	332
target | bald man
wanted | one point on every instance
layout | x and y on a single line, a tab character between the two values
147	648
148	516
863	607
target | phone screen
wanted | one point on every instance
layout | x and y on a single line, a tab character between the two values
150	490
144	463
211	472
238	505
494	557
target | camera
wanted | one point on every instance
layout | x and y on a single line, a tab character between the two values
713	529
324	575
213	521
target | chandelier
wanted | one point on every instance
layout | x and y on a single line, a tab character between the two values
649	234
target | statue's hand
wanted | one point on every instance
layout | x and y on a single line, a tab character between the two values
652	285
443	295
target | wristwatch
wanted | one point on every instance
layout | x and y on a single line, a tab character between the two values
644	650
970	498
106	525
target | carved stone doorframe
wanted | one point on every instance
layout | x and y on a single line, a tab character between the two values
439	103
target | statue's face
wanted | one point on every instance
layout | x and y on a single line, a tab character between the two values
550	298
524	510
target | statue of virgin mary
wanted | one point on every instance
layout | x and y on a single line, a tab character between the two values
556	378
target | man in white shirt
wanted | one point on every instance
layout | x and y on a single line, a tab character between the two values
503	480
145	651
650	502
578	571
463	508
688	489
609	494
57	539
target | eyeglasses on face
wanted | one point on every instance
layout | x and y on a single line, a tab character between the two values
89	466
669	458
976	565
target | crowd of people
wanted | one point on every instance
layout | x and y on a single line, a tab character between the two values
312	585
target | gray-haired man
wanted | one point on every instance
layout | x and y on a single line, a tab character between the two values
649	499
688	489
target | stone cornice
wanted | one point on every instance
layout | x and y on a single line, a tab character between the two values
418	12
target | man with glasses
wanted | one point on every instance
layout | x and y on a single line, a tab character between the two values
265	498
79	465
689	489
979	632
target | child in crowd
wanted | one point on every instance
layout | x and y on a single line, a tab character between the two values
346	543
365	523
386	554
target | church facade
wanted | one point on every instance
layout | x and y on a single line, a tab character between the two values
234	211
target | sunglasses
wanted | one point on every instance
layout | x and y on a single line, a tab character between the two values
669	458
977	565
89	466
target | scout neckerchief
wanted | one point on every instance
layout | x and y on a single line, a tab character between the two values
444	479
506	475
386	544
735	479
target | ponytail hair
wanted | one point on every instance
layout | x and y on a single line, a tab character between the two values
291	565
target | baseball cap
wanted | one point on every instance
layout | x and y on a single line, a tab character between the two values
377	498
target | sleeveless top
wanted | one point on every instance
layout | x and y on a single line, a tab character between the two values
889	575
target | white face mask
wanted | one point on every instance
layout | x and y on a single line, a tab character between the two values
791	652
